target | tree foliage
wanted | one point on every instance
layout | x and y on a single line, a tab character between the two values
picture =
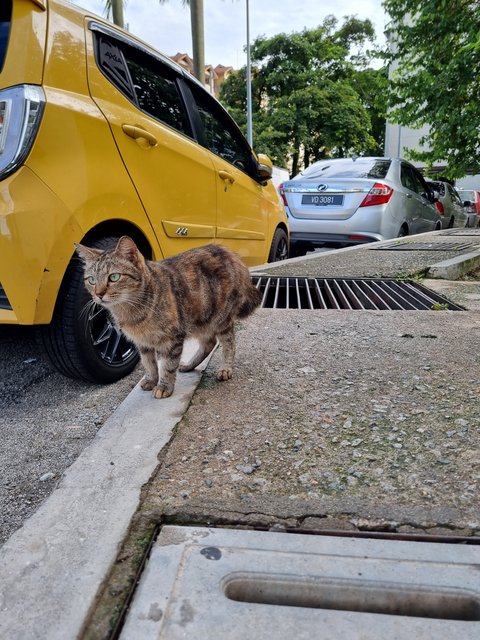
309	93
436	49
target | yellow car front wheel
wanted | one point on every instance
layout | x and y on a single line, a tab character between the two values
82	341
279	247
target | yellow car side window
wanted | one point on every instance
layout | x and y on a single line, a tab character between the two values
151	85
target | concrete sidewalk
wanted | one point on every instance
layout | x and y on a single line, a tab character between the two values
354	421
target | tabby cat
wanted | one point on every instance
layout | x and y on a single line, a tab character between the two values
157	305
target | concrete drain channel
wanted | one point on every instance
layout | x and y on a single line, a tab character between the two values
460	232
409	245
349	294
230	584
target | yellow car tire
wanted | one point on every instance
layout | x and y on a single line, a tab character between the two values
279	247
81	341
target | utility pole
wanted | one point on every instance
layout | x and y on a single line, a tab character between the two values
249	83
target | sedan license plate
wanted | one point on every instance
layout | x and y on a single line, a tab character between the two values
322	200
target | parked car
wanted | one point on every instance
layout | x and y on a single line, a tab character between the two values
101	136
450	207
356	200
471	201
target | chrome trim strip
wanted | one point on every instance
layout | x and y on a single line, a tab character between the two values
328	190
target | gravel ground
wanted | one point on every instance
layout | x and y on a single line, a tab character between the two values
46	420
365	407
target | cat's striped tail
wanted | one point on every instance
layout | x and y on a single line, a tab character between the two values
251	300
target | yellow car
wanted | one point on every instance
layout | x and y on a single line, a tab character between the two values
101	136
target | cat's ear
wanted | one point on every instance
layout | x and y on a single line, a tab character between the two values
87	254
127	248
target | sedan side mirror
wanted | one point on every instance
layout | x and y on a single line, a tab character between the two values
264	167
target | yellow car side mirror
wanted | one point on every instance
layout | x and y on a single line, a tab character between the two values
265	167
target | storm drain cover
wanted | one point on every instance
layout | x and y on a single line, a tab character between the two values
349	294
230	584
407	245
460	232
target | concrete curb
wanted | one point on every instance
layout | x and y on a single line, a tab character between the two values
455	268
52	567
313	256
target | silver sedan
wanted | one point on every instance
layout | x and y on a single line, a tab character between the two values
356	200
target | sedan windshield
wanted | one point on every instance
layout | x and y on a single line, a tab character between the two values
348	168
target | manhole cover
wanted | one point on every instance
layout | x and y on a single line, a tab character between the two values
349	294
222	583
407	245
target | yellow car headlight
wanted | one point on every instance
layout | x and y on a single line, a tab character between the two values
21	109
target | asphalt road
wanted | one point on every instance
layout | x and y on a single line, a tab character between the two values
46	420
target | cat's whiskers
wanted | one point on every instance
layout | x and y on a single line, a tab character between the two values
139	305
87	307
143	299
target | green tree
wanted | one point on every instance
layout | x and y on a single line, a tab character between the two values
435	49
304	101
114	8
371	86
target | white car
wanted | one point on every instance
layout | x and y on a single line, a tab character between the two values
357	200
450	206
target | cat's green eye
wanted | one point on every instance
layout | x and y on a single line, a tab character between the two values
91	279
114	277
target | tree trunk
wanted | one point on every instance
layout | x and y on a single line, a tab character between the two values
117	12
295	159
198	40
307	154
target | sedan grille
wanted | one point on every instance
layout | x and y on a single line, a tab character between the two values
349	293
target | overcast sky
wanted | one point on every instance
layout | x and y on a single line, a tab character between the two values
167	26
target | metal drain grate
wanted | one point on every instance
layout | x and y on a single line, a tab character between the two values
407	245
349	293
460	232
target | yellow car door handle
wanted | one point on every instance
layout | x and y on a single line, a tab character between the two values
138	133
224	175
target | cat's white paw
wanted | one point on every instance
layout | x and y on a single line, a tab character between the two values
160	392
147	385
224	374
